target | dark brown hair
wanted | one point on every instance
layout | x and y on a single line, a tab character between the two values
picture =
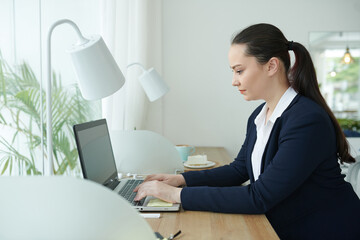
265	41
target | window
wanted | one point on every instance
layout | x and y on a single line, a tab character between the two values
23	33
339	82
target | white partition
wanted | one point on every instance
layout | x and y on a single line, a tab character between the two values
36	208
144	152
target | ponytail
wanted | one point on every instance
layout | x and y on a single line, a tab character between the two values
265	41
303	79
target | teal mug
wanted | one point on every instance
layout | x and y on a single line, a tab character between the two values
185	151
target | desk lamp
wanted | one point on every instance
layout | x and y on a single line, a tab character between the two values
152	83
98	74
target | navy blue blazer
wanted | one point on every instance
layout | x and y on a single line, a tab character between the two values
300	189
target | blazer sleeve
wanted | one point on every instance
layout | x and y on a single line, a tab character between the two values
303	144
229	175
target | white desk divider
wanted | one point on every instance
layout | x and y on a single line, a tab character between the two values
36	208
144	152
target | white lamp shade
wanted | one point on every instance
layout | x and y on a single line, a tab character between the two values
153	84
98	74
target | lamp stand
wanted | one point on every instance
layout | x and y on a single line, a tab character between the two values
82	40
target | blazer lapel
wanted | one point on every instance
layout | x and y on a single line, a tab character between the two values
264	157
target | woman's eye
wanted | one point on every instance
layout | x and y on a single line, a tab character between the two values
239	71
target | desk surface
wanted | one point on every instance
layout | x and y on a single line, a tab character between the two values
209	225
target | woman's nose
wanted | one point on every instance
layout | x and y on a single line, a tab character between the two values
235	82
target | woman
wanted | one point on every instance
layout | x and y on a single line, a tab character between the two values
290	154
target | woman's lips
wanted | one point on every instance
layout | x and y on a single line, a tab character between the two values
242	91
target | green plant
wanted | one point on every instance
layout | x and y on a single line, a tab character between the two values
349	124
20	116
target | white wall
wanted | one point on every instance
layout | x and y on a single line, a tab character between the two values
202	108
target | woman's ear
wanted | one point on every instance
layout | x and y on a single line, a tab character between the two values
273	66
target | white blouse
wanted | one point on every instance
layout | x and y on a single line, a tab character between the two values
264	129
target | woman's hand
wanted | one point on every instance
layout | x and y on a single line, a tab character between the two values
169	179
159	190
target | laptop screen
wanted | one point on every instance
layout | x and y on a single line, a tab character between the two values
95	151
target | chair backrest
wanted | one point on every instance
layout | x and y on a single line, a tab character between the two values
353	175
66	208
352	171
354	143
144	152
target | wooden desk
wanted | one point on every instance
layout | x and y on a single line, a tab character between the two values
208	225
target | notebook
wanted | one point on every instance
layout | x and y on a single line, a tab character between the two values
98	164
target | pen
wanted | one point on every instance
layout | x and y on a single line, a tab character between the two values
175	235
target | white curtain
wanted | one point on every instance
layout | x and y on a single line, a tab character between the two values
132	31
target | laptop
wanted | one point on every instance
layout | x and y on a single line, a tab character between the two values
98	164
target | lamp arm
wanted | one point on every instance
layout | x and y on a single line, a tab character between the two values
136	63
82	40
129	65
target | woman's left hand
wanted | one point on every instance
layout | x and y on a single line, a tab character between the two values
159	190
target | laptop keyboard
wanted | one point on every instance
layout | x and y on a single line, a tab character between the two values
128	193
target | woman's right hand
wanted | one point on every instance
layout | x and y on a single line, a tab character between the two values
170	179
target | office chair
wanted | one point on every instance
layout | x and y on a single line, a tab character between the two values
36	208
352	171
353	175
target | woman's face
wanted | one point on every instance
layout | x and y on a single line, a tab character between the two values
249	76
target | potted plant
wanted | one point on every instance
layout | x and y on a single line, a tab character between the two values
20	118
